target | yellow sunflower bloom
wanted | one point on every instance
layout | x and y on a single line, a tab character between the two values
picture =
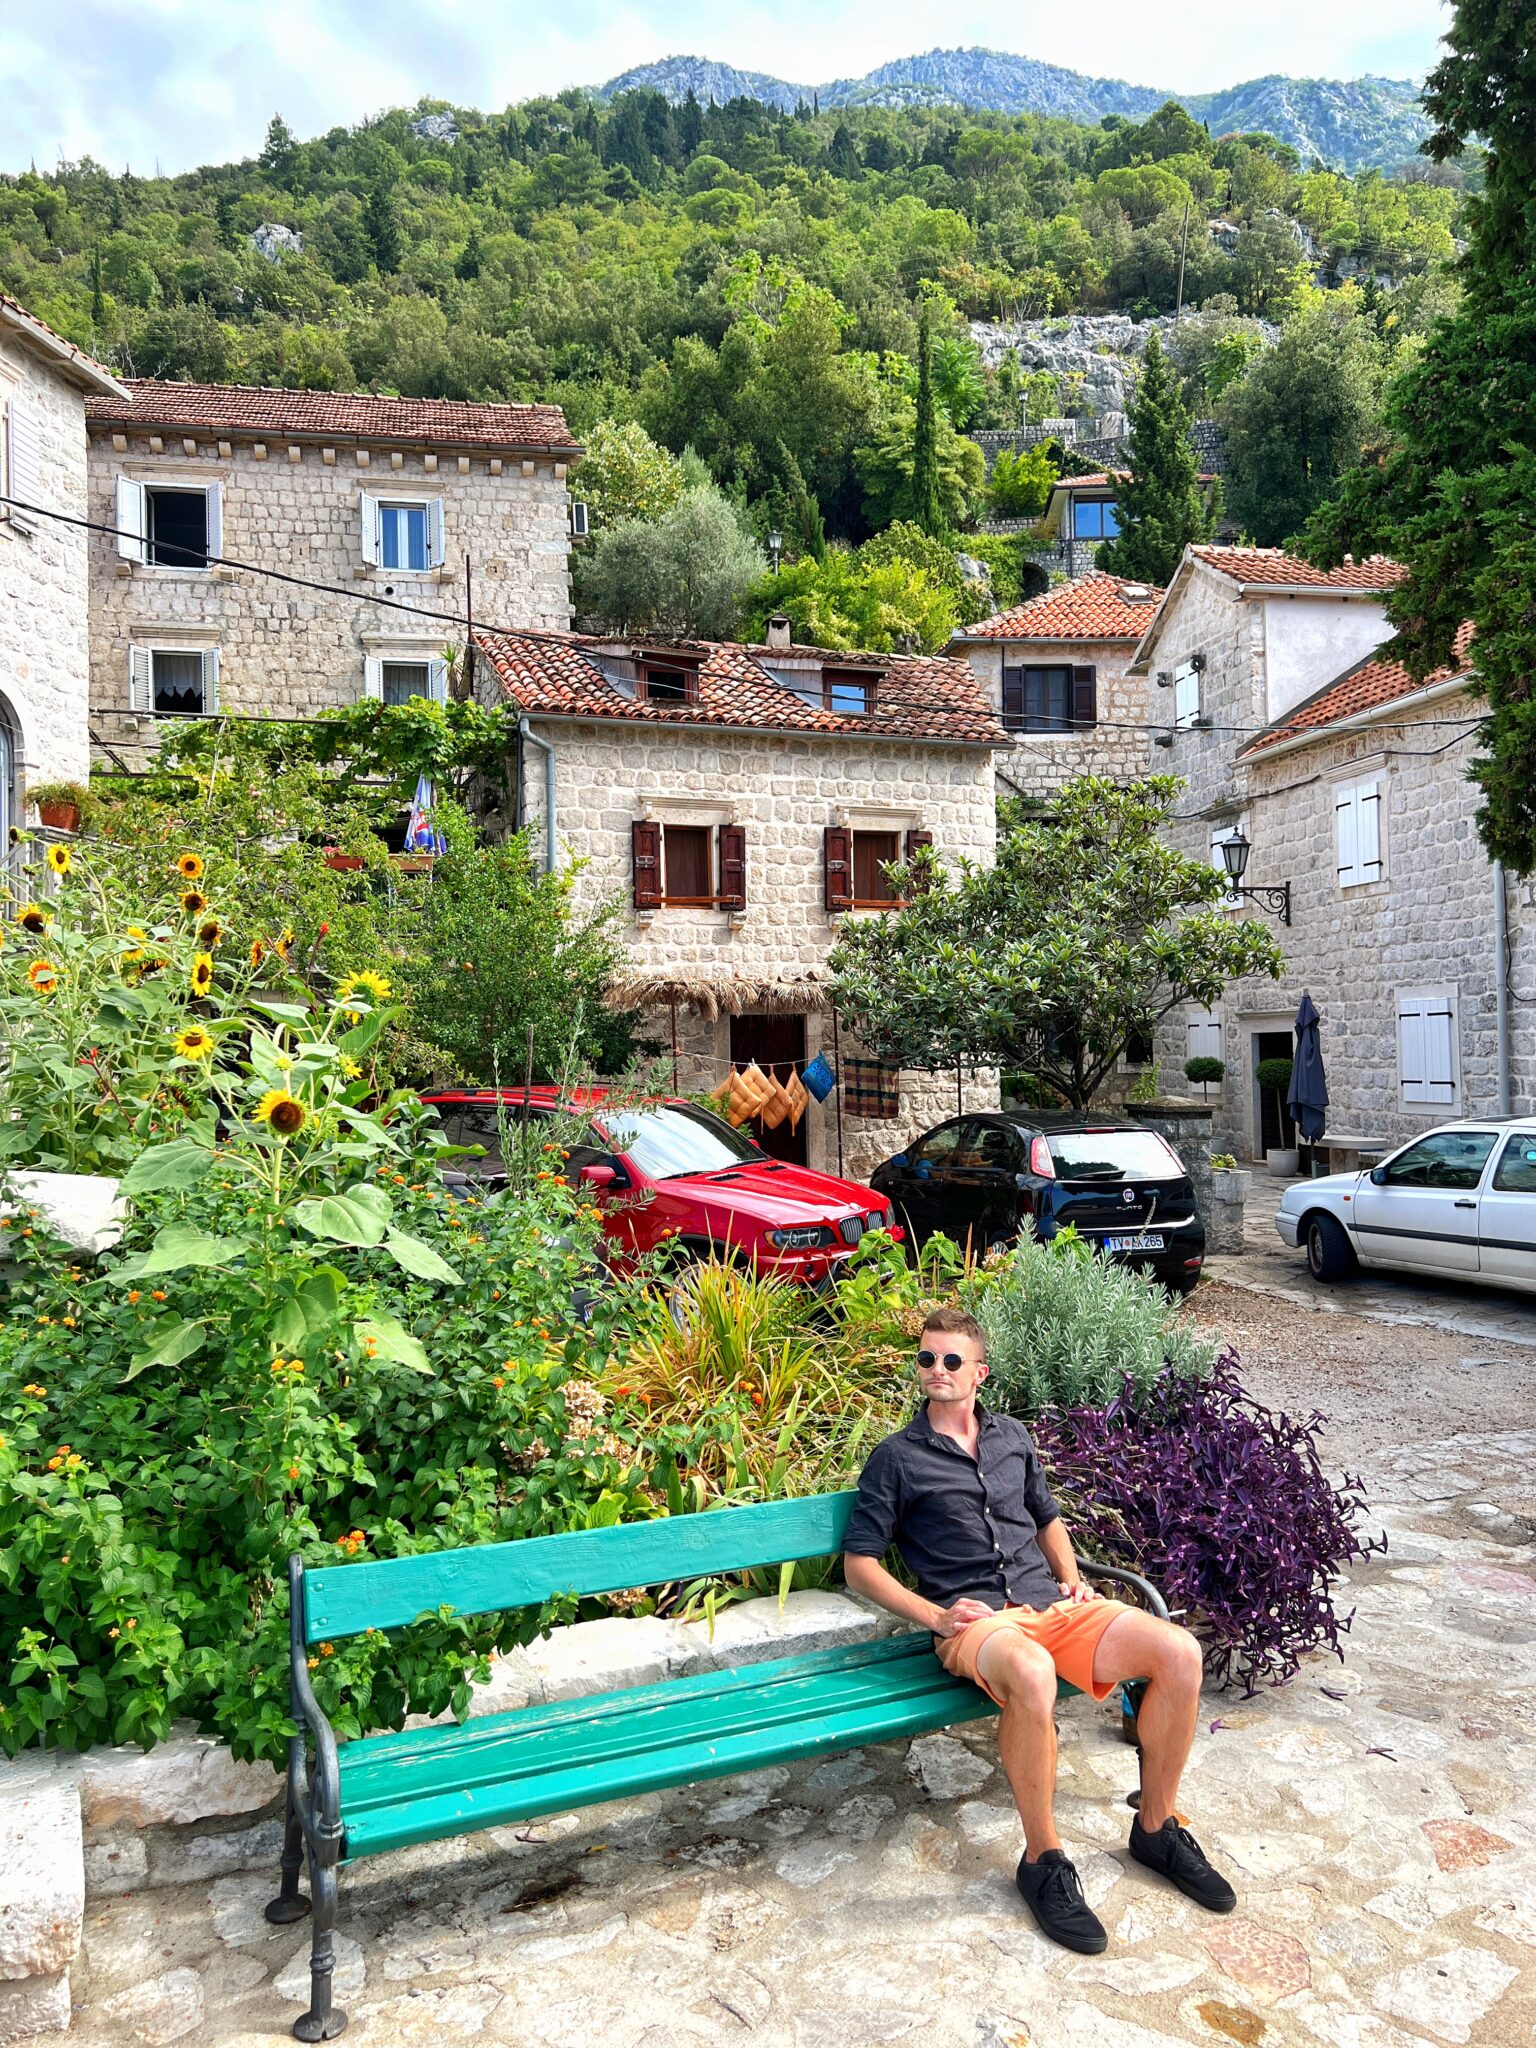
350	1070
190	867
258	952
193	902
139	940
200	979
281	1112
210	934
194	1043
44	976
59	859
34	919
367	983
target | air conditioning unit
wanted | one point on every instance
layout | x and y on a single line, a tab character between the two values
579	526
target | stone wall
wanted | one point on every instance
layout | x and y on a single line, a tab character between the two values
1039	761
785	789
288	652
43	583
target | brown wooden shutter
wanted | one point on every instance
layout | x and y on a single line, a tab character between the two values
917	839
645	844
837	866
733	866
1013	699
1085	711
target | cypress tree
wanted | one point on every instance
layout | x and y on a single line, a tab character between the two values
927	507
1161	505
381	226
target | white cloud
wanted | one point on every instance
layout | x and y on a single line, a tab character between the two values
180	82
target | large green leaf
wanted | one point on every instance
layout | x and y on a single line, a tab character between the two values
419	1258
288	1326
359	1217
360	1038
391	1339
320	1296
286	1013
180	1164
176	1247
177	1340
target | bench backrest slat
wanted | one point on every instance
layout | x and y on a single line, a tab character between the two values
344	1600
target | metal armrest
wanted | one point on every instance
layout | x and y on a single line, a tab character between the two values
314	1786
1149	1595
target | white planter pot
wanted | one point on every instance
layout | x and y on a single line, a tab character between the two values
84	1209
1284	1165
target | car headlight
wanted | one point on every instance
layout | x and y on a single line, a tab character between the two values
803	1237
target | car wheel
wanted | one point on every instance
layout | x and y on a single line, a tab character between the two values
1330	1255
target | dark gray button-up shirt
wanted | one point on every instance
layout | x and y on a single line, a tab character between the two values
965	1527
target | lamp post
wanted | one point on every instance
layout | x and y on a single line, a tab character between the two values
775	546
1234	858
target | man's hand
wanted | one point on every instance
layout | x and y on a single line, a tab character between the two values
1077	1591
948	1621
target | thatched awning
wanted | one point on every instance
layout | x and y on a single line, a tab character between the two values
717	995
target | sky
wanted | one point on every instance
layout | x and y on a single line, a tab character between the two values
176	83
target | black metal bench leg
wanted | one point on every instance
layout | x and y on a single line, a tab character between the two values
323	2021
290	1903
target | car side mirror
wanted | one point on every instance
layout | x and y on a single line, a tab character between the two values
1378	1176
1022	1182
598	1176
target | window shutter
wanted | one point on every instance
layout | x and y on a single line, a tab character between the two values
1013	697
1204	1035
916	840
733	866
837	867
141	679
1439	1051
129	520
437	542
645	846
210	681
1186	695
369	511
1348	816
215	520
1085	712
24	463
373	678
437	681
1411	1062
1368	834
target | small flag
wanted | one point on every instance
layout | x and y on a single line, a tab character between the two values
421	835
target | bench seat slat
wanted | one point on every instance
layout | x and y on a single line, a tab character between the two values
660	1718
344	1600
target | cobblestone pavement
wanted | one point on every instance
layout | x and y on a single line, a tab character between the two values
1377	1818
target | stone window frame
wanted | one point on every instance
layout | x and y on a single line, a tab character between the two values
131	513
146	644
699	813
860	818
411	495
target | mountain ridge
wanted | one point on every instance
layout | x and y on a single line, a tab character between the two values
1351	124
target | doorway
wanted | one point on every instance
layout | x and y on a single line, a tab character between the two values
1275	1125
777	1043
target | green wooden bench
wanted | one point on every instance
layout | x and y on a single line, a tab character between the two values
424	1784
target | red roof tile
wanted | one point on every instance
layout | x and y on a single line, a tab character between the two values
1274	569
929	697
251	409
88	371
1368	686
1091	607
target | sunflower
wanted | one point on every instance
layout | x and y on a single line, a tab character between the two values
34	920
200	980
258	952
193	902
44	976
284	1115
350	1070
365	984
190	867
194	1043
210	934
59	859
140	939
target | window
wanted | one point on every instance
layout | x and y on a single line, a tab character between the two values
872	888
1095	519
668	686
1037	699
403	534
168	526
688	864
669	1141
1426	1046
1114	1155
174	682
1186	696
1139	1050
991	1146
1515	1173
1450	1159
392	680
1357	815
849	692
21	460
937	1150
846	693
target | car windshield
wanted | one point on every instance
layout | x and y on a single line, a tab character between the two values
1113	1155
668	1141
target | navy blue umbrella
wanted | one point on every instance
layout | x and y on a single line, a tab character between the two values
1308	1097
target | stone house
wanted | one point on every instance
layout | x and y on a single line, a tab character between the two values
45	382
742	804
374	509
1283	709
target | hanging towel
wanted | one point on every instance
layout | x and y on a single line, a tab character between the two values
819	1077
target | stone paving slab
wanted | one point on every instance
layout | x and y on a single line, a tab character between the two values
1377	1818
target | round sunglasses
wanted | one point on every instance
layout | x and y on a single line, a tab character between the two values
950	1360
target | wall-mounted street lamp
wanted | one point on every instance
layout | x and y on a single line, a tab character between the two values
1234	858
775	547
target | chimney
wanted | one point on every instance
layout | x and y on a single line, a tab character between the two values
779	632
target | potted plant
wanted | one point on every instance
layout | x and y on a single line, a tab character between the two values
1282	1160
1204	1068
60	805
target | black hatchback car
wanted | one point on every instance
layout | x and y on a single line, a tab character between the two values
1123	1188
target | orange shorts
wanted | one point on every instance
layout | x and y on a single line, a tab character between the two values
1068	1631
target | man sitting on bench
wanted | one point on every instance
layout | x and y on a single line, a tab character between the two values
961	1494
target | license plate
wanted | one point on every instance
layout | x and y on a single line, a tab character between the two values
1144	1241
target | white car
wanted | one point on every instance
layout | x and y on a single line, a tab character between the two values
1460	1202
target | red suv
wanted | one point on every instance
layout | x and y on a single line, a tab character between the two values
670	1172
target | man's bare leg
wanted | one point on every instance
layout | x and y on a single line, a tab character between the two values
1022	1675
1141	1646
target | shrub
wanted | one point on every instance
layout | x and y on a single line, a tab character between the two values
1020	484
1204	1068
1223	1504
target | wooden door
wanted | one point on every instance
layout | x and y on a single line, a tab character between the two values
777	1043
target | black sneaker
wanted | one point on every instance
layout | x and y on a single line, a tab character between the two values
1173	1852
1053	1892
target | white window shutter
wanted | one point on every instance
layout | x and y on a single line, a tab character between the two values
210	681
1368	814
373	678
215	520
1186	695
1411	1052
24	463
437	544
437	681
1204	1035
1346	811
141	679
130	520
369	510
1439	1051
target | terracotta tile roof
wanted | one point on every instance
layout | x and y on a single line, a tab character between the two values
1369	686
68	357
251	409
1091	607
916	697
1274	569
